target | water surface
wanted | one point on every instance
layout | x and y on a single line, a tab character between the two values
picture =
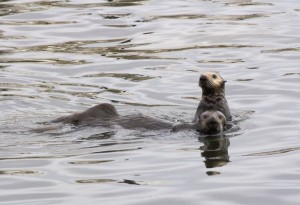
60	57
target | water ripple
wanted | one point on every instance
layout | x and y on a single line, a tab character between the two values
281	151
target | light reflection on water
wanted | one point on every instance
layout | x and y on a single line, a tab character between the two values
59	57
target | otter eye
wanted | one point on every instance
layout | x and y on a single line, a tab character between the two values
204	116
220	117
214	76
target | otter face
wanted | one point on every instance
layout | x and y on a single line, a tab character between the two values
211	82
212	122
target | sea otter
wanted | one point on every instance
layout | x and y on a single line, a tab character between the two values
209	122
213	95
106	114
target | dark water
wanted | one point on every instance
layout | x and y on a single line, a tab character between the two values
59	57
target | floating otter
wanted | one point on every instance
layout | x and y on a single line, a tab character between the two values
212	122
106	115
213	95
209	122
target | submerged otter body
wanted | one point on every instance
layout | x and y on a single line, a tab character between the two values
106	115
145	122
103	112
213	95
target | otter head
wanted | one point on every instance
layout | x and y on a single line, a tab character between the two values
211	82
211	122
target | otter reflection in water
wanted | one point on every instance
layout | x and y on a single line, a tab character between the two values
106	115
215	150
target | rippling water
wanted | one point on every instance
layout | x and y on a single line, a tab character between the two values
59	57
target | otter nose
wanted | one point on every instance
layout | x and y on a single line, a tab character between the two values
203	78
213	124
